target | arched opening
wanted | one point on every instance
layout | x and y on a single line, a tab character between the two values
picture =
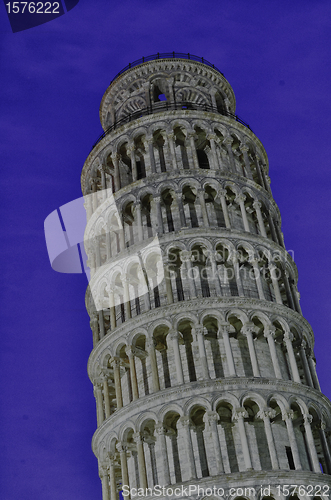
175	269
281	439
198	438
146	208
142	369
240	351
212	345
125	167
247	274
226	435
202	271
169	211
226	271
180	146
220	104
173	447
255	431
214	208
189	199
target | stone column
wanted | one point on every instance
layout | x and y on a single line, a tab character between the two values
105	483
185	257
102	324
228	141
117	380
288	290
117	179
239	415
240	199
97	251
106	396
272	228
98	397
272	269
222	194
237	275
215	275
288	337
213	418
226	328
243	148
258	171
170	296
269	334
265	415
257	274
141	460
124	464
126	294
202	351
132	153
287	416
191	136
88	205
95	329
312	366
108	243
180	209
185	423
296	297
112	479
248	329
138	219
133	374
152	358
171	143
163	467
307	419
103	184
211	138
112	312
160	228
150	142
174	335
201	195
305	363
257	206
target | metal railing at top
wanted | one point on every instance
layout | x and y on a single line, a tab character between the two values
164	106
166	55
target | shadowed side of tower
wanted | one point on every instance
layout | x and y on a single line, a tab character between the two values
203	365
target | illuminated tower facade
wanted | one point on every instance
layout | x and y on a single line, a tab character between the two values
203	366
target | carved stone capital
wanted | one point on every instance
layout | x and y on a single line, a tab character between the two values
269	331
266	413
239	413
287	415
307	418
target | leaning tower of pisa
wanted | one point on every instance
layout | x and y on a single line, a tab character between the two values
202	366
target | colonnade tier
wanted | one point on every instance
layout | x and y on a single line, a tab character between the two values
212	430
157	275
202	344
175	80
175	142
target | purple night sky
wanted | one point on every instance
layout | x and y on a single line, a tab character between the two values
276	56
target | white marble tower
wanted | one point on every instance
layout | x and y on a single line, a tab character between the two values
203	366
